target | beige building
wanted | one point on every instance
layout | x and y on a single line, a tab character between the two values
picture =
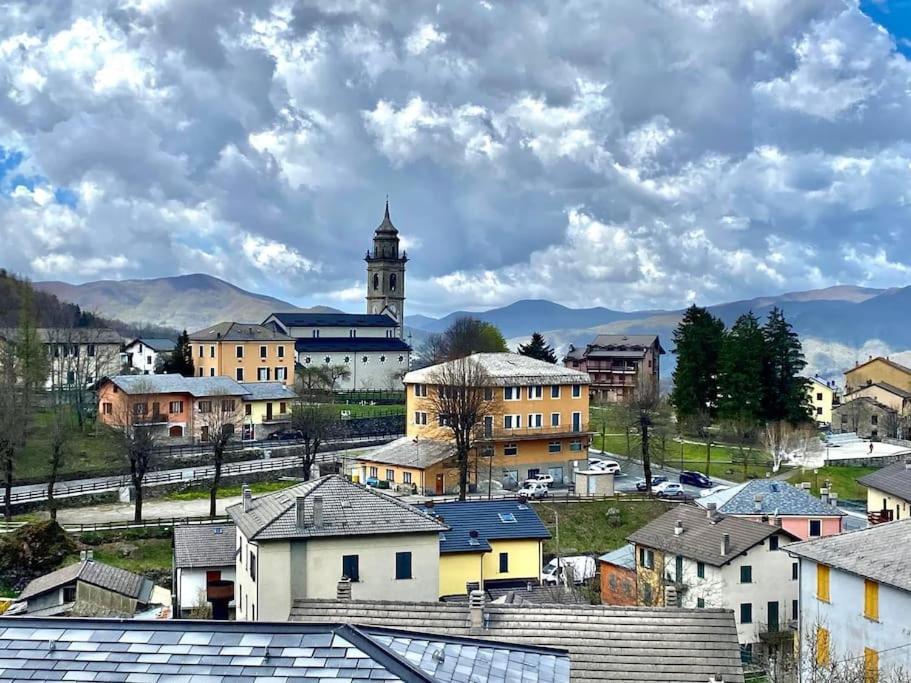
328	535
244	352
823	397
617	363
78	356
877	370
888	493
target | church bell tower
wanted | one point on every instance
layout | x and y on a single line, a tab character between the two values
386	274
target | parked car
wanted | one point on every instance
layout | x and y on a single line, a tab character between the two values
714	489
611	466
696	479
533	489
656	479
285	435
669	489
578	569
373	481
545	479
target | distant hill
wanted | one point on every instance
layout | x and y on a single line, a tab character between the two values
186	302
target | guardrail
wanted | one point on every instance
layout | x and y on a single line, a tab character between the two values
159	522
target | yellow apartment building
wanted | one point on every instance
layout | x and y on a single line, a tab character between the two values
878	370
243	352
823	397
267	409
537	421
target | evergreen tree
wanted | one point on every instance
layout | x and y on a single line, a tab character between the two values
698	344
538	348
740	372
180	360
784	390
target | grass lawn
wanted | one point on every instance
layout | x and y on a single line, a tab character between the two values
136	550
86	452
843	480
584	527
228	491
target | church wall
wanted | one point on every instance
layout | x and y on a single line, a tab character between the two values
373	374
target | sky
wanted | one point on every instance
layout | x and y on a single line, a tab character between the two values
631	154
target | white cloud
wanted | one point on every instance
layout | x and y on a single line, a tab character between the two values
269	255
423	37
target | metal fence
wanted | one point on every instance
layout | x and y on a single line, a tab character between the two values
161	522
367	396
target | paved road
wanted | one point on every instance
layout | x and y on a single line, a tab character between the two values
631	471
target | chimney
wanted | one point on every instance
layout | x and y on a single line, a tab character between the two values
90	555
824	494
343	589
757	503
833	498
716	678
776	520
725	544
82	555
247	497
908	463
476	609
710	510
317	510
678	527
299	508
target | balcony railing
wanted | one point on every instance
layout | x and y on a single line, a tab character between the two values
156	419
524	433
276	417
879	516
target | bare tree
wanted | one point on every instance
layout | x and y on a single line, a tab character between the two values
645	409
12	420
80	356
461	398
135	438
315	419
336	373
220	419
62	428
786	441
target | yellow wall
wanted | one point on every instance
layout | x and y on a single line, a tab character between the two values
880	395
423	479
825	402
225	362
901	508
457	569
877	370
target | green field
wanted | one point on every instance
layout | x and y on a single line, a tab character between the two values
86	452
136	550
843	480
229	491
357	411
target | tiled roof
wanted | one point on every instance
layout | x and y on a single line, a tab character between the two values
333	320
161	345
96	573
410	453
353	344
222	652
178	384
615	346
897	366
487	518
777	497
701	537
893	479
507	369
624	556
885	386
197	546
241	332
880	552
267	391
604	643
348	510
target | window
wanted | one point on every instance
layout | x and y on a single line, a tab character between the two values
445	420
262	374
512	421
314	334
575	445
347	359
227	405
239	351
554	447
794	609
281	374
822	582
373	472
647	558
511	393
746	574
107	408
283	408
211	352
504	563
148	360
211	372
535	420
795	571
700	570
364	359
420	389
382	359
253	565
307	360
263	351
577	390
281	351
420	418
818	395
200	372
535	392
200	351
555	391
822	646
555	419
350	567
746	612
140	408
819	411
248	409
328	359
678	568
700	603
773	542
815	529
871	665
403	566
871	600
874	419
205	406
406	477
507	517
488	393
69	593
175	407
402	360
239	374
511	449
390	475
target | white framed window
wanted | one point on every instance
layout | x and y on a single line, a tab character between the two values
211	352
512	393
575	445
535	392
511	449
420	389
512	421
201	351
262	374
535	420
238	351
554	447
281	374
445	420
239	374
577	390
263	351
420	417
555	419
281	351
406	477
555	391
315	333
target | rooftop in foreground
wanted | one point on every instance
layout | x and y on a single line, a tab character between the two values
507	369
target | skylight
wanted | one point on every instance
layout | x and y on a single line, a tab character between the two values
507	518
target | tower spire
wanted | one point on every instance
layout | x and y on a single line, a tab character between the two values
386	217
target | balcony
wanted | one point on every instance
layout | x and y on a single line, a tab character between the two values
879	516
777	634
276	418
530	433
149	420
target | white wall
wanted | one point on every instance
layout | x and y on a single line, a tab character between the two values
342	332
191	581
142	357
373	374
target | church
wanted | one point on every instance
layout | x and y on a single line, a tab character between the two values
371	345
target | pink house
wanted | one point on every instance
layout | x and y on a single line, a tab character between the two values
780	504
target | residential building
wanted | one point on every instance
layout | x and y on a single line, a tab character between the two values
867	418
699	558
267	409
243	352
145	354
210	651
489	543
604	643
537	421
406	464
302	541
879	369
855	597
203	568
617	363
823	396
778	503
895	398
888	493
618	576
90	588
78	355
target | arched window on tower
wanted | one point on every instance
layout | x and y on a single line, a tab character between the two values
393	281
376	281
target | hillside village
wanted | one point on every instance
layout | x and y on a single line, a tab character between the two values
464	490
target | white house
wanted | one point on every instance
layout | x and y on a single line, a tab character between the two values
325	536
203	566
698	558
143	354
855	600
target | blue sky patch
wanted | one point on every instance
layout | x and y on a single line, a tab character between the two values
895	17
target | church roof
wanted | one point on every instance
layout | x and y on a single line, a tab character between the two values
386	227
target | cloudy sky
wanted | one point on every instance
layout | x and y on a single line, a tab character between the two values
626	153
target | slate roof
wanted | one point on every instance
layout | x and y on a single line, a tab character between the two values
880	552
890	388
348	510
333	320
222	651
353	344
778	497
509	369
485	517
96	573
199	546
616	346
242	332
156	344
604	643
267	391
893	479
624	556
408	453
178	384
701	538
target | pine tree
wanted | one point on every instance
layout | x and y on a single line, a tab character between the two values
784	390
180	360
538	348
740	372
698	344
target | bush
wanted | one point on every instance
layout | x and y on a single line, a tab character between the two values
31	551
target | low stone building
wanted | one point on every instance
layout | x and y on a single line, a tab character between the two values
868	418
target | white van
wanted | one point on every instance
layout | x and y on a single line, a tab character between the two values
578	569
